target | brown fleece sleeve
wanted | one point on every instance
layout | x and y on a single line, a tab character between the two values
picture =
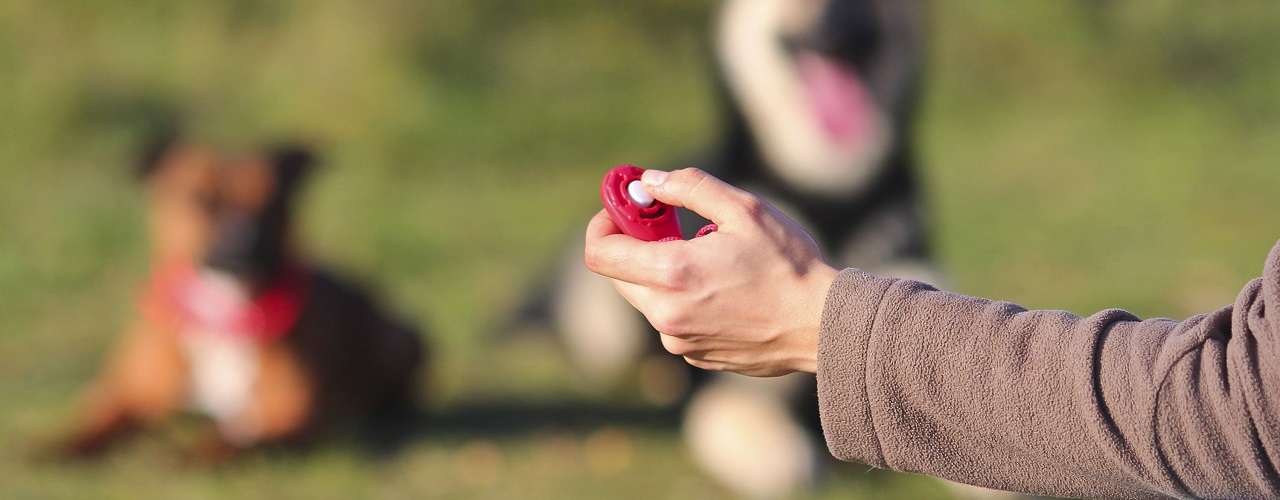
989	393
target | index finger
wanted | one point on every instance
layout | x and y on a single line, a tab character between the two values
613	254
702	193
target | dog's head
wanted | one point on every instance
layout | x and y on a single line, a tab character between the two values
230	215
824	85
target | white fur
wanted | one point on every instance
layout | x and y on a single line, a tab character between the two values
599	327
223	368
741	431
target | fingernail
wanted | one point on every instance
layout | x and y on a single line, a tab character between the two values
654	177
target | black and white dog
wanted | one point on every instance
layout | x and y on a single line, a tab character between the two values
819	98
821	101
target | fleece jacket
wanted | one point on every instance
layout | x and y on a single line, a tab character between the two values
992	394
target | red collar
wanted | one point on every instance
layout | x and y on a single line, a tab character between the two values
179	294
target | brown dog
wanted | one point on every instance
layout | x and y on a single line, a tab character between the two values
234	325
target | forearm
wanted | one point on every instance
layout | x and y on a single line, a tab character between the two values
1043	401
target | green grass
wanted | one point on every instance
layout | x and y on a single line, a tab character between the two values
1077	155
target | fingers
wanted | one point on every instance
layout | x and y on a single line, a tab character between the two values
692	354
636	295
601	225
613	254
683	348
708	365
703	193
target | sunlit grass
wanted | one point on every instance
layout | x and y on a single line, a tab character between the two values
1076	156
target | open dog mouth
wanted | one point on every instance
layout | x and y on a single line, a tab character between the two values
804	97
837	96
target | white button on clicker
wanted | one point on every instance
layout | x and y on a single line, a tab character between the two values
638	194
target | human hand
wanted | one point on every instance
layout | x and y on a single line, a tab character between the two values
747	298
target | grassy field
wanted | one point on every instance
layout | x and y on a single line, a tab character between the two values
1077	155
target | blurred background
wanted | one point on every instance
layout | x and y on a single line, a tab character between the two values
1075	155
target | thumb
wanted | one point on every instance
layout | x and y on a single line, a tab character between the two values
701	192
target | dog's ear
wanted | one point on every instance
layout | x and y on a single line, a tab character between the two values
154	151
293	163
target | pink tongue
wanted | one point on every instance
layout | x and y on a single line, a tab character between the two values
837	96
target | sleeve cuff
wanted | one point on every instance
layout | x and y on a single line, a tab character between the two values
848	317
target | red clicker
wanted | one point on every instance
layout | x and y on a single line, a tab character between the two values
633	210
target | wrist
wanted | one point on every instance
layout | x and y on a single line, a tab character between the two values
817	282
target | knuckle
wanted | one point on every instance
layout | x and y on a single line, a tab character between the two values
591	256
704	364
665	326
674	274
693	178
693	173
670	321
752	207
657	317
676	346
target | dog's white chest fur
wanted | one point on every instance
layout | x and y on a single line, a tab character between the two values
223	366
224	371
